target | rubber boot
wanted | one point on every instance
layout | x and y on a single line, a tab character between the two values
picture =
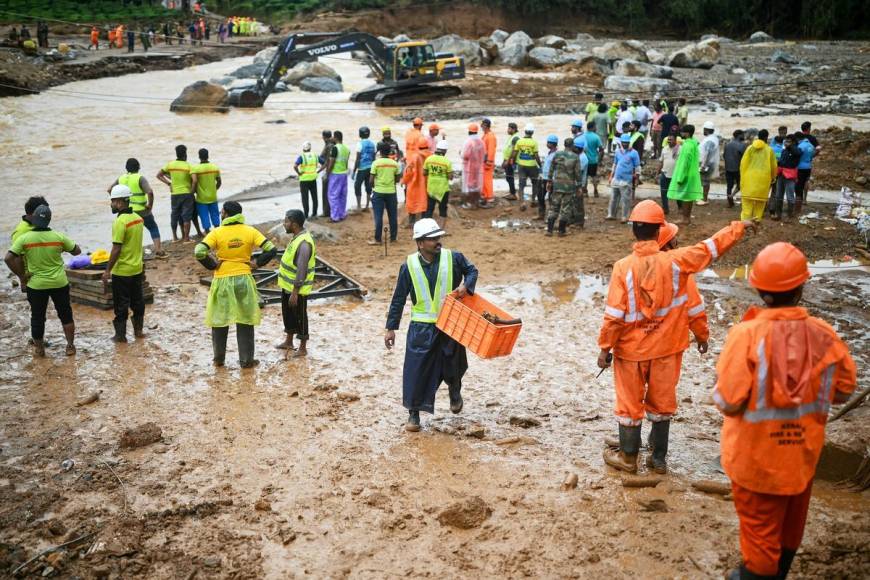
550	224
786	557
625	459
798	205
120	330
563	228
245	340
743	574
658	447
139	326
456	402
219	344
790	210
413	423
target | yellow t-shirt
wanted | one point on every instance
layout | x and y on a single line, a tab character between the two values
233	245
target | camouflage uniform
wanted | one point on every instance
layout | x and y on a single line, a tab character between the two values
565	176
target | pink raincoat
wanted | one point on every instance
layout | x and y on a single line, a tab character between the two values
473	153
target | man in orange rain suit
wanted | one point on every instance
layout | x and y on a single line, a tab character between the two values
412	137
489	142
645	323
416	196
95	38
778	374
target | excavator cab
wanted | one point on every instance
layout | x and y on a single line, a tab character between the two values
417	62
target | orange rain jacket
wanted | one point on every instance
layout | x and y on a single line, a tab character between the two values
416	196
412	137
697	312
779	371
647	310
489	143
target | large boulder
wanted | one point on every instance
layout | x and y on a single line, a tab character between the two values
551	41
783	57
581	36
545	57
636	84
200	97
458	46
620	50
655	57
489	49
512	55
587	65
250	71
320	85
704	54
760	36
266	55
635	68
305	69
520	38
499	36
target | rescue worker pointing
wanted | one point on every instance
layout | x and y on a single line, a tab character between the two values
646	322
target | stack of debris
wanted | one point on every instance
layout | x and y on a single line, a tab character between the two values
86	287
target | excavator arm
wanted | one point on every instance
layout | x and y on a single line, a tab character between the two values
294	50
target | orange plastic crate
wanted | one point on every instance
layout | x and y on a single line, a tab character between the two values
462	320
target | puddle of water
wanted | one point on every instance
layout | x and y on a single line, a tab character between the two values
511	224
817	268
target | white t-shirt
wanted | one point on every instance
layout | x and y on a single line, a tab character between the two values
624	117
643	115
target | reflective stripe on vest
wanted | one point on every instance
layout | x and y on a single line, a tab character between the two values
308	167
138	199
633	314
762	412
287	269
428	304
342	155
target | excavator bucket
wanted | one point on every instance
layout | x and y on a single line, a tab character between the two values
246	99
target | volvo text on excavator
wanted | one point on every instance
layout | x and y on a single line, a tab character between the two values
406	72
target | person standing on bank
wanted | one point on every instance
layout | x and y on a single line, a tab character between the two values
125	265
233	296
296	280
336	177
205	182
430	355
306	167
176	174
141	201
44	277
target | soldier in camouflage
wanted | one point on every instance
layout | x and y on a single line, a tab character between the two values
564	185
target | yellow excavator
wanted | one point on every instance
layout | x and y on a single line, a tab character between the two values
407	73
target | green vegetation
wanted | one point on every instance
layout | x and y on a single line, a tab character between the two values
84	11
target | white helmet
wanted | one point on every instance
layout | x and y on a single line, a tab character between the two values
427	228
441	145
120	191
709	125
529	128
306	146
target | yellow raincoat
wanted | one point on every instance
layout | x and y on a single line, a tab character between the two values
757	171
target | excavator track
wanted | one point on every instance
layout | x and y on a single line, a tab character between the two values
415	95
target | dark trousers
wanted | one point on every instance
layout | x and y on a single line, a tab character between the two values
308	189
39	305
324	199
664	184
800	187
381	201
539	193
362	179
509	177
244	339
127	295
431	202
295	317
732	182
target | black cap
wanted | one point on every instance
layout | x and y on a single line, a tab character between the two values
41	217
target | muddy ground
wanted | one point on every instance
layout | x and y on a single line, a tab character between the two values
302	468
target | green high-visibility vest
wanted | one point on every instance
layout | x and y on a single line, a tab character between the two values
428	304
138	199
509	147
287	270
635	137
308	167
342	155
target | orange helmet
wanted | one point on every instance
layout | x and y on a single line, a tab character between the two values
648	212
779	267
434	126
417	121
473	128
667	233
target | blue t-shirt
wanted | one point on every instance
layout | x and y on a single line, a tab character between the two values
807	153
626	162
366	151
545	170
777	148
593	142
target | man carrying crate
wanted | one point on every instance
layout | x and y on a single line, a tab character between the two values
430	355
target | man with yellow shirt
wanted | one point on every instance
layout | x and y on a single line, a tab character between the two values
125	265
233	297
205	182
176	174
44	277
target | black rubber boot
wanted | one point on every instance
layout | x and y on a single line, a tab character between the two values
743	574
563	228
786	557
413	423
658	447
790	210
550	224
219	344
120	330
138	326
456	402
625	459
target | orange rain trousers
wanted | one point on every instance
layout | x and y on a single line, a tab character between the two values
489	143
768	524
646	387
